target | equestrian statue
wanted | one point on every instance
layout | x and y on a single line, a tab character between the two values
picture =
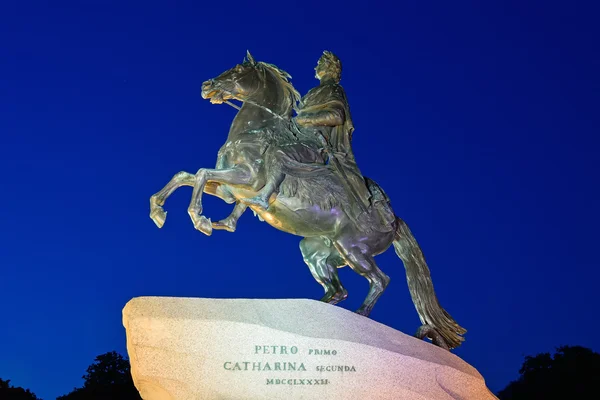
299	175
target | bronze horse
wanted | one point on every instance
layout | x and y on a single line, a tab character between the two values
311	205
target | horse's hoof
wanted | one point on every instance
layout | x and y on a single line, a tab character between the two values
363	312
327	298
158	215
334	298
203	224
432	333
224	225
339	297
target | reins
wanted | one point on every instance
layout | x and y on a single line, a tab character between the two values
291	121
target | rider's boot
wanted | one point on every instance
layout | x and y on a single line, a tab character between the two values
262	197
274	180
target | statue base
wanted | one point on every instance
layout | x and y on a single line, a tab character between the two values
238	349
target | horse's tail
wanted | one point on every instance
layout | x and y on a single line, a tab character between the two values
421	287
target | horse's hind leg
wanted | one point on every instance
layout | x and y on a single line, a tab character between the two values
323	261
157	213
364	264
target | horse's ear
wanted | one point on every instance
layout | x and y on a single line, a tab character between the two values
250	58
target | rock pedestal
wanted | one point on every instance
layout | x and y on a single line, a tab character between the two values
254	349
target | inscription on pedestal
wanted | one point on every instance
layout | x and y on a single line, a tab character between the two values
294	362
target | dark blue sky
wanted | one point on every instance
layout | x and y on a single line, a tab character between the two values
480	121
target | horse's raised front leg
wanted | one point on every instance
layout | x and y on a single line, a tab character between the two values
238	175
157	213
230	222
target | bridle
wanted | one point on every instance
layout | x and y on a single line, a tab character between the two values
295	128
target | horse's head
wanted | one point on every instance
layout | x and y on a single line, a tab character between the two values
238	83
263	83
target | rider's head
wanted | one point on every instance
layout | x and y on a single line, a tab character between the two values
329	67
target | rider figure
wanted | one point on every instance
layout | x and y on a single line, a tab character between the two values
325	111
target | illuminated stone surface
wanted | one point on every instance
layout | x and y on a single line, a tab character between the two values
238	349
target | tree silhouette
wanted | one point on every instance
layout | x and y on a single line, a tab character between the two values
571	374
108	378
8	392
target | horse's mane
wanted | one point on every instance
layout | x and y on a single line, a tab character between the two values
292	95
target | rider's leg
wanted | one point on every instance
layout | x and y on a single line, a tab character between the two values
275	177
